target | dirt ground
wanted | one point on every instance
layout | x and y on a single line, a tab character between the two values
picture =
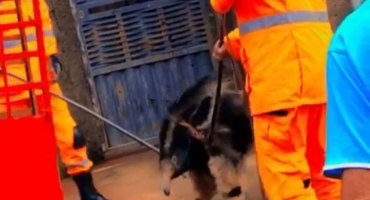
136	177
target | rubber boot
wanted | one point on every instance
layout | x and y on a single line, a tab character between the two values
86	188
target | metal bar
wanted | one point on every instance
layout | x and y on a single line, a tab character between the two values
5	77
20	88
18	55
18	25
114	125
42	57
24	42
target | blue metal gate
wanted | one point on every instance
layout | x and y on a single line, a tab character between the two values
140	55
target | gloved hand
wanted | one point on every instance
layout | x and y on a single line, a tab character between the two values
55	67
220	52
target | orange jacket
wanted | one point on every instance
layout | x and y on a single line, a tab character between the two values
282	45
12	40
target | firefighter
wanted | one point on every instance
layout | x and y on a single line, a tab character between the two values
70	141
282	45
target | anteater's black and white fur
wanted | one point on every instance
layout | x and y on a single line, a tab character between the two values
218	165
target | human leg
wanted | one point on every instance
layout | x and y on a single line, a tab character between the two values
325	188
280	140
72	148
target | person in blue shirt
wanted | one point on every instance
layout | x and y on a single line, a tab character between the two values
348	109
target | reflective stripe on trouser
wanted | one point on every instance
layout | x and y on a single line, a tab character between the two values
76	160
290	154
283	18
30	38
85	162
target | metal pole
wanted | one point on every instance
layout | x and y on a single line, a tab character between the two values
123	131
114	125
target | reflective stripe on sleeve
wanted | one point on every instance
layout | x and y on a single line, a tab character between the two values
283	18
30	38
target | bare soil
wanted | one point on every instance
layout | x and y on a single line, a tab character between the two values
137	177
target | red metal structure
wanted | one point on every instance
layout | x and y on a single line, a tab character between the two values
28	162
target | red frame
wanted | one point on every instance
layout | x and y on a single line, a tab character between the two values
28	167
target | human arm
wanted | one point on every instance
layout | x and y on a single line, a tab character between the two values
222	6
232	47
348	139
338	10
348	113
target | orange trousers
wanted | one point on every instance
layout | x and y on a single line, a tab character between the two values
290	150
76	160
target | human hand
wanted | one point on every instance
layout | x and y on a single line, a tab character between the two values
220	52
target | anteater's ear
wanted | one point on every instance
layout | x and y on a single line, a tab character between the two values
204	109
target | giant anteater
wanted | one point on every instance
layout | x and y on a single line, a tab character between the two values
221	163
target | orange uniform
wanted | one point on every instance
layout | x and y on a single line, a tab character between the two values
282	45
75	159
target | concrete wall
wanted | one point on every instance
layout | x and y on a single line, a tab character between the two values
73	81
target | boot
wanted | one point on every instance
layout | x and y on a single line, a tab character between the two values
86	188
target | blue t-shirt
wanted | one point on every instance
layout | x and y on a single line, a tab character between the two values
348	86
